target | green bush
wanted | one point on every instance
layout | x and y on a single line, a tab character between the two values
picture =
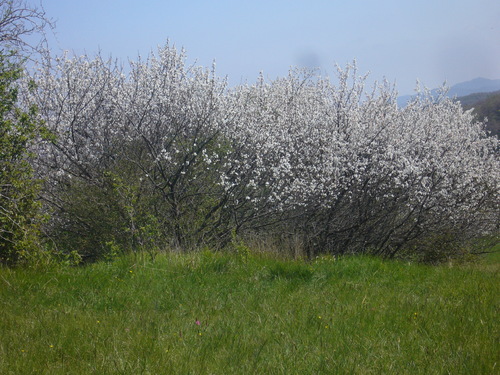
20	216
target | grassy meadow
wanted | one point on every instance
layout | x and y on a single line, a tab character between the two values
220	313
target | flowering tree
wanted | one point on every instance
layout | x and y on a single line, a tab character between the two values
147	147
167	153
352	173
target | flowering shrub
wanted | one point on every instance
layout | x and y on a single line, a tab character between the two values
345	170
354	172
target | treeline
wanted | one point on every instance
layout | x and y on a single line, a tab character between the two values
167	156
96	159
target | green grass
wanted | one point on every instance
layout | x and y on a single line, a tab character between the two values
257	315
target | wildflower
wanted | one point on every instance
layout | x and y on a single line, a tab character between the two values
198	323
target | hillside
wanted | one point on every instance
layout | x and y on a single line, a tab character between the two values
486	105
473	86
472	100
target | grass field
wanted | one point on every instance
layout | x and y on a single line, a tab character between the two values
210	313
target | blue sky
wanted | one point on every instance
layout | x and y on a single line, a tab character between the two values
429	40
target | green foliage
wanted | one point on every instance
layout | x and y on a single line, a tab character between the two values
239	246
443	247
89	221
103	219
20	216
210	313
134	202
141	229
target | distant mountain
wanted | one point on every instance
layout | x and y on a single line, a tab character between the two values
474	86
477	85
